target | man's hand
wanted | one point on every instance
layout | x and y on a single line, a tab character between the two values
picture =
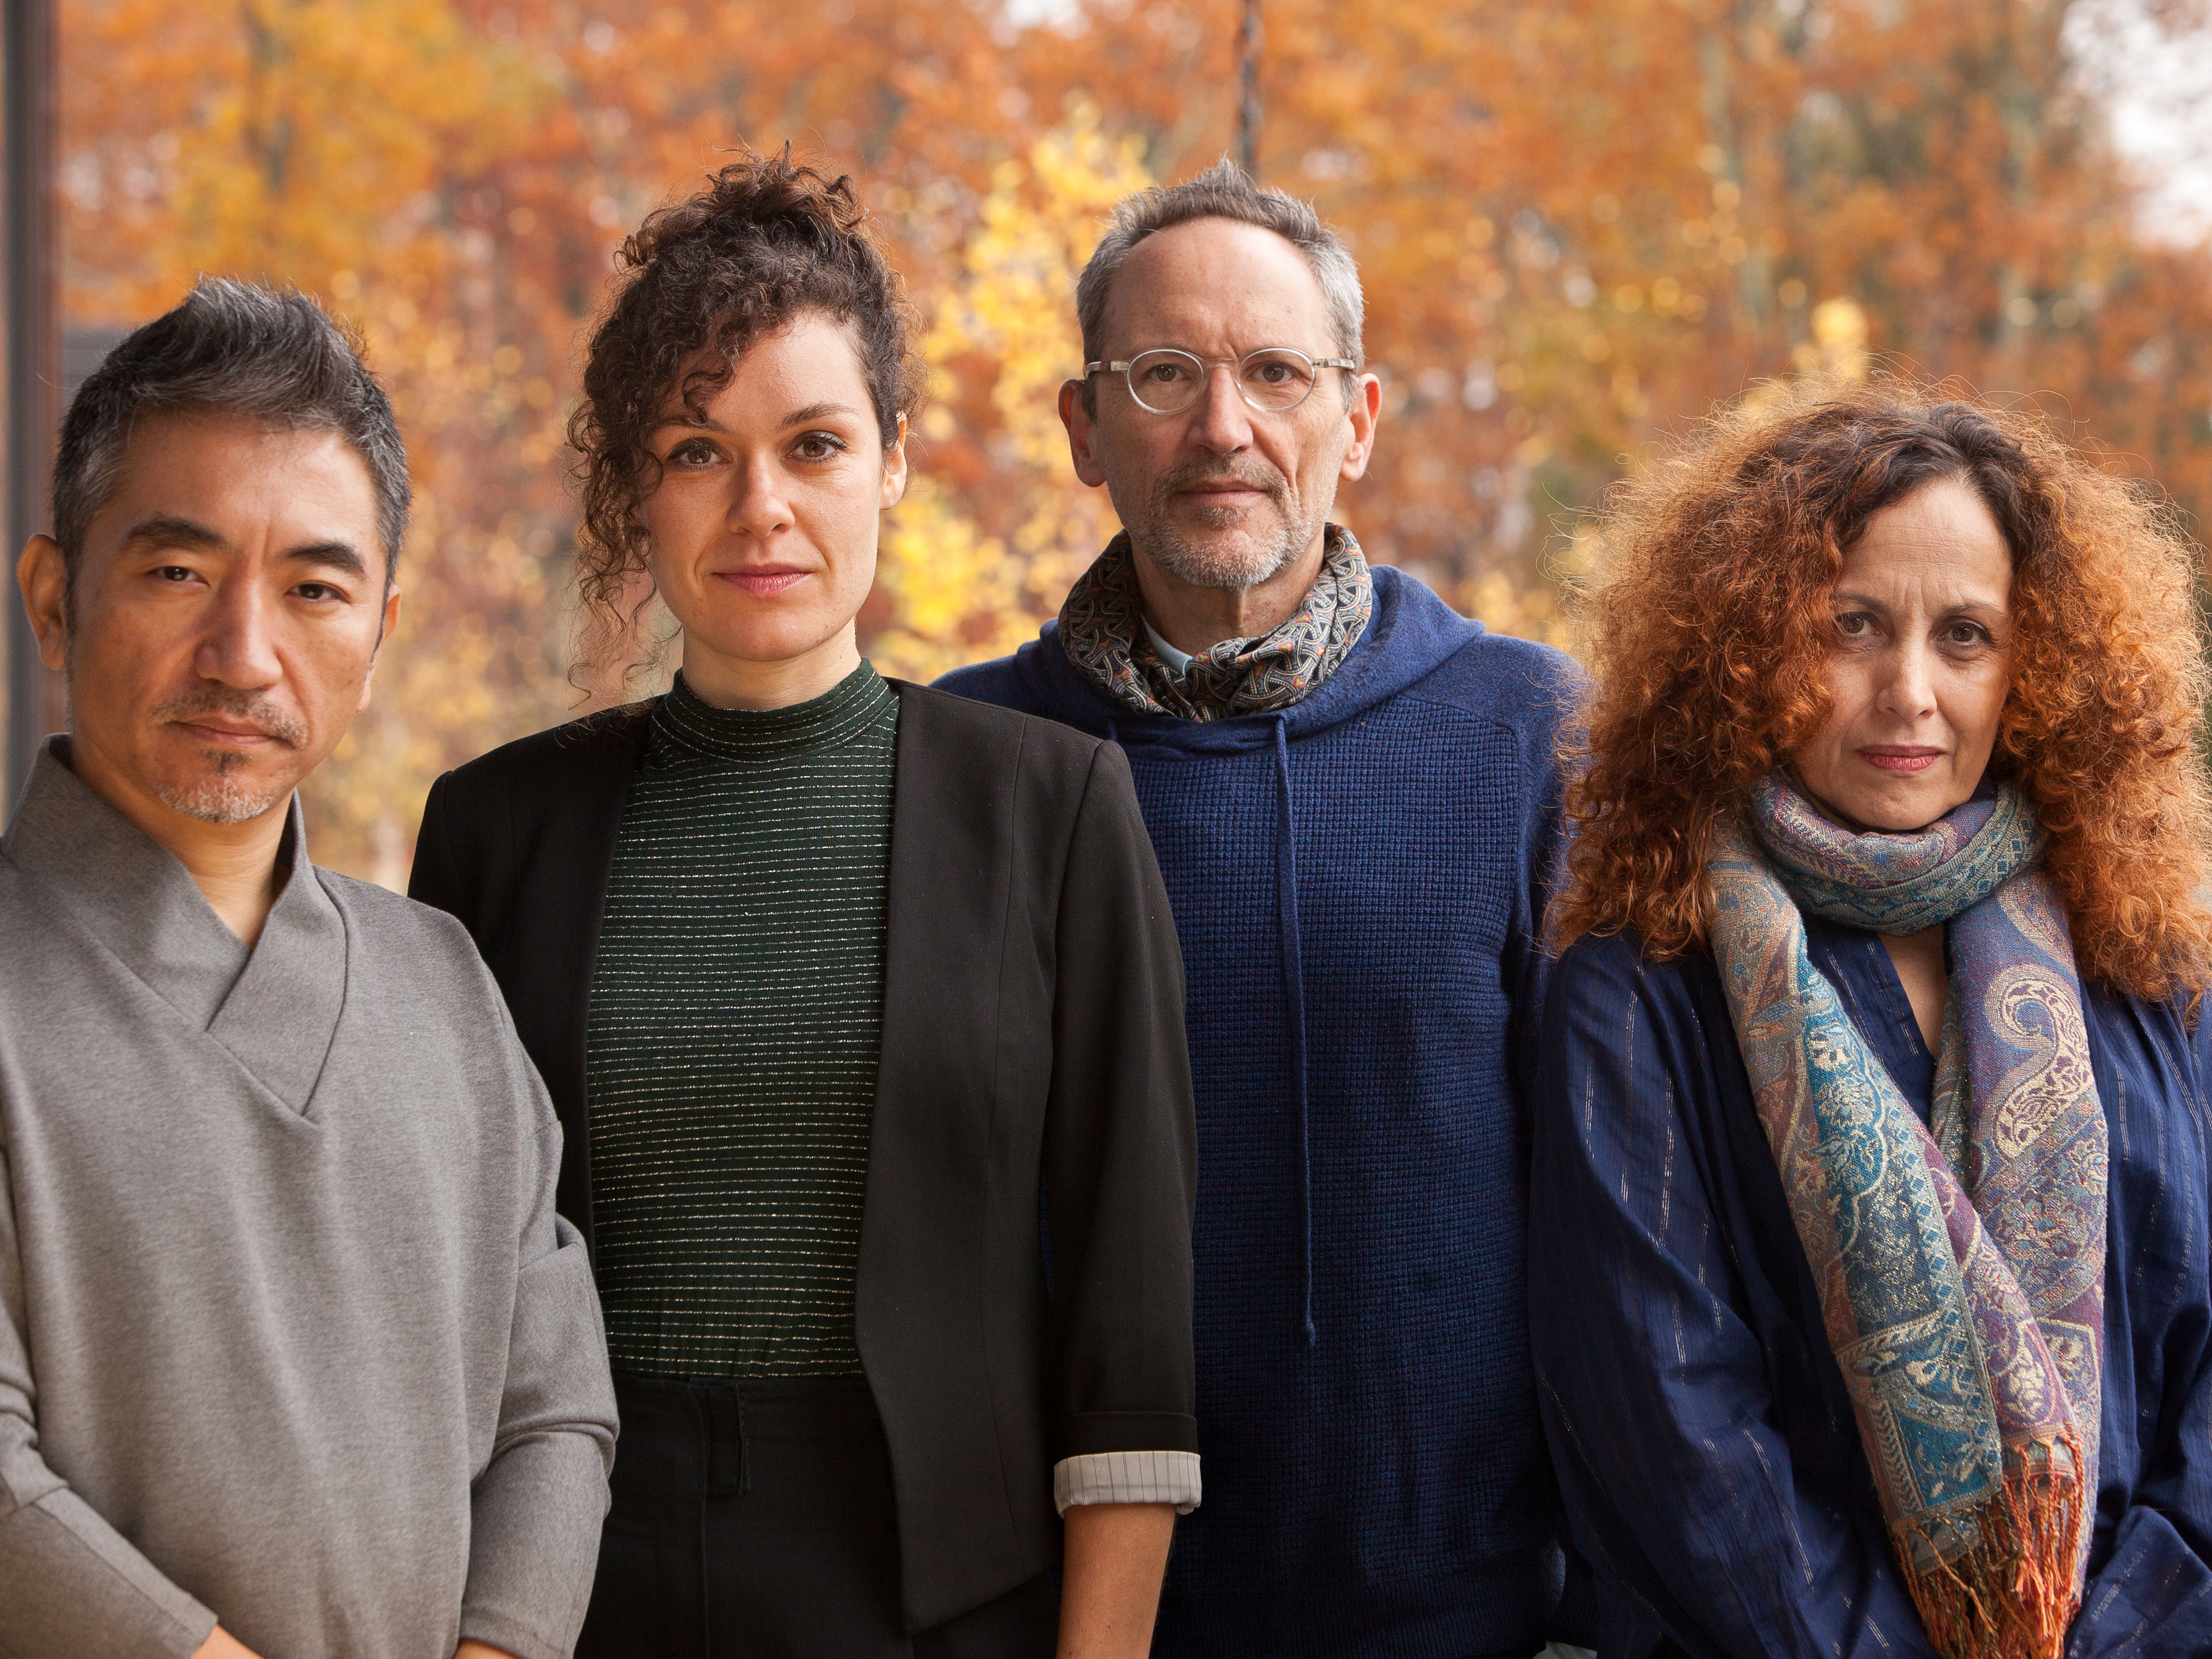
475	1649
1111	1587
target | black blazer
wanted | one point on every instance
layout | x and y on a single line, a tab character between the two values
1032	1039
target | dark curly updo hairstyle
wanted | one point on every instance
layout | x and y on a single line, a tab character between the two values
765	241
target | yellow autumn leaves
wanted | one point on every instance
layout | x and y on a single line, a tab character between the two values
961	594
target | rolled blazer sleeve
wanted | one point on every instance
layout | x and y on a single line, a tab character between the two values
1120	1143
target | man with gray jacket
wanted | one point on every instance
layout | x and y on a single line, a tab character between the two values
297	1359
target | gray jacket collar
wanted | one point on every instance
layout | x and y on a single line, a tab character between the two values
274	1007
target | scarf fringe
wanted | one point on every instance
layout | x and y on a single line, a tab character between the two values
2012	1592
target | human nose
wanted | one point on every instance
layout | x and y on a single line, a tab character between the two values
1911	691
239	647
1221	420
758	506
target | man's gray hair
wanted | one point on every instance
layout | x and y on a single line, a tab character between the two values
1224	190
266	354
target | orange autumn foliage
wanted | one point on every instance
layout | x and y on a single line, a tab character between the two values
1581	224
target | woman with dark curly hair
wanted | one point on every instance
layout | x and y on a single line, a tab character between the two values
836	984
1870	1286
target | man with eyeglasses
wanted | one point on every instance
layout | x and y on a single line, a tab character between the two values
1354	800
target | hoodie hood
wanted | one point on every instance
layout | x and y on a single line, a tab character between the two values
1413	633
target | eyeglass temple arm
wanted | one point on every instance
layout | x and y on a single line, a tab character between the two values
1122	367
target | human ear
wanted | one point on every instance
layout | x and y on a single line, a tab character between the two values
43	574
385	631
1080	426
895	469
1366	409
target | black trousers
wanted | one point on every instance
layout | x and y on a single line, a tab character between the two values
756	1520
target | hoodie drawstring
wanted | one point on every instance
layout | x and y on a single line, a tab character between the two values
1294	1000
1294	1005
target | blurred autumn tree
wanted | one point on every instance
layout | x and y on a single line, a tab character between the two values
1580	223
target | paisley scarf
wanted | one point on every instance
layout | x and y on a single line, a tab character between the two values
1101	627
1961	1273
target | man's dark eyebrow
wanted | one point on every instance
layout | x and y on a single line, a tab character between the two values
167	529
338	555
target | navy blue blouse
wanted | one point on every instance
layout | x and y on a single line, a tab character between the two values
1703	1441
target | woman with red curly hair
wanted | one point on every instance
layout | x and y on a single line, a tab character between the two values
1870	1295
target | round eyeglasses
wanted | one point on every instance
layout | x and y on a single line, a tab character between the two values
1274	379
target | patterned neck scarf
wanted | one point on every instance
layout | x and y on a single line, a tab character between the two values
1962	1273
1102	628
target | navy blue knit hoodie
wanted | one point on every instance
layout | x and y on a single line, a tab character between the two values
1357	884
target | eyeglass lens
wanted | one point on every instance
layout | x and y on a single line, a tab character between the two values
1167	381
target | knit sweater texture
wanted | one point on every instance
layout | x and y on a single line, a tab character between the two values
736	1016
1358	885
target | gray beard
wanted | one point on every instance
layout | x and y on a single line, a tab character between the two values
220	800
1215	566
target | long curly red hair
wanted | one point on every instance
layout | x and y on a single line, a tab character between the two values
1709	624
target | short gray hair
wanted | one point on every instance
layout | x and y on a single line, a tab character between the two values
269	355
1224	190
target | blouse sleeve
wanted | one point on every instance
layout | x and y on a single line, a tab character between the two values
1655	1390
2149	1594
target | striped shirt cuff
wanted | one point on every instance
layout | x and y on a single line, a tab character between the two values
1126	1477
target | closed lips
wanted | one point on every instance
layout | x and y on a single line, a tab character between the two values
1897	757
764	580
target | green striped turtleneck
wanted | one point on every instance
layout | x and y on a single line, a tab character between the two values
734	1026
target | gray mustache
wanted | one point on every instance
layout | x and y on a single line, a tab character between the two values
1263	479
248	706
